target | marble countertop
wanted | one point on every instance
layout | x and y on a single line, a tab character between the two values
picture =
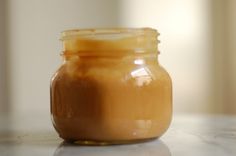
188	135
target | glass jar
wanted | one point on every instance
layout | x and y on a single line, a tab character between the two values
110	88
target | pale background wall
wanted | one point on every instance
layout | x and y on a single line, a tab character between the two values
224	55
3	88
231	66
195	47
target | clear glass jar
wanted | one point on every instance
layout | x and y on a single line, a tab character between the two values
110	88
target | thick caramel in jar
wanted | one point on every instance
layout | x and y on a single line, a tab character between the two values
110	87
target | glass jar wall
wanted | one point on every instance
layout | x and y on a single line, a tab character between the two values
110	88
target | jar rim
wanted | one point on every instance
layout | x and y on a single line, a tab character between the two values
138	40
77	33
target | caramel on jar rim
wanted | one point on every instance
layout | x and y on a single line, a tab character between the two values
101	40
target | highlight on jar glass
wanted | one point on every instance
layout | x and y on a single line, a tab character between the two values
110	88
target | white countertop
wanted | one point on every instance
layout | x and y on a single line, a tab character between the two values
26	135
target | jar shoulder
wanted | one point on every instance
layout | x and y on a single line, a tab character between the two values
144	74
163	72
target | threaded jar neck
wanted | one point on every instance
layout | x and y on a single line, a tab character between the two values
111	41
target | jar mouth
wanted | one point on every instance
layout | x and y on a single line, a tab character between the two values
116	40
107	32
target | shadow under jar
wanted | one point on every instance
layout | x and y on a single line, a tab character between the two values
110	88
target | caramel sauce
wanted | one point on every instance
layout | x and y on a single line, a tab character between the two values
104	92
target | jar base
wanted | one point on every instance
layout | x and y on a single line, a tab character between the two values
106	143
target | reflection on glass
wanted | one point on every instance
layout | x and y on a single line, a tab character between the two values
142	76
154	148
139	61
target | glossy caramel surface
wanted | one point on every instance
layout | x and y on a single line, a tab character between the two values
119	97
